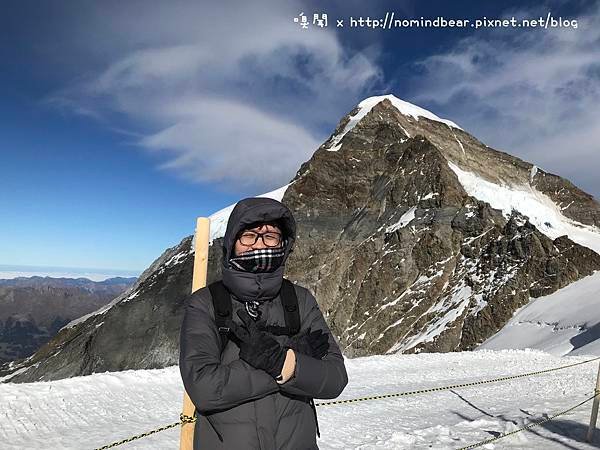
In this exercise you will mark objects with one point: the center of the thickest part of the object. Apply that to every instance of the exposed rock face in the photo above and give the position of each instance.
(400, 256)
(33, 309)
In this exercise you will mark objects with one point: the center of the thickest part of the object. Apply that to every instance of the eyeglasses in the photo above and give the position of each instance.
(269, 239)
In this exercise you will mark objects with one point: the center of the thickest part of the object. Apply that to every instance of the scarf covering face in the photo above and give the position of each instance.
(259, 260)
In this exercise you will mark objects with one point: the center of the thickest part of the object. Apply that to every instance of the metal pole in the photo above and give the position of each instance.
(594, 418)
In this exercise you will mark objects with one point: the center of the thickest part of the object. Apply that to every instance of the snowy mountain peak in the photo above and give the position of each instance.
(406, 108)
(365, 107)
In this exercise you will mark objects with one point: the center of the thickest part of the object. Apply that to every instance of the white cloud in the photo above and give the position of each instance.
(236, 97)
(247, 147)
(534, 93)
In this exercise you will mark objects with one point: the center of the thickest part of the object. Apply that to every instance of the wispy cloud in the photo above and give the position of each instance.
(246, 148)
(232, 97)
(534, 93)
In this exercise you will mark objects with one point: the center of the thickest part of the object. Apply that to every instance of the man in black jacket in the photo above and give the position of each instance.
(257, 393)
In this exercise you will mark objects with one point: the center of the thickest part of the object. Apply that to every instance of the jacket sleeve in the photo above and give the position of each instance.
(317, 378)
(213, 386)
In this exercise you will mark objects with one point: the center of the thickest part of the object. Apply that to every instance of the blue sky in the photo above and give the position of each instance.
(120, 122)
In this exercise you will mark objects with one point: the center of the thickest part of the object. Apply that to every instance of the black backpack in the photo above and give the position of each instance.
(223, 311)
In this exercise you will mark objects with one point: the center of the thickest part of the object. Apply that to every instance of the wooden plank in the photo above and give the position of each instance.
(186, 441)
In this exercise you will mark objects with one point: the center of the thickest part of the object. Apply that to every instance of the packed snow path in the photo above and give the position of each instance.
(92, 411)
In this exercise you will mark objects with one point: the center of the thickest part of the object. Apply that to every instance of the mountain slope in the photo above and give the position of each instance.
(566, 322)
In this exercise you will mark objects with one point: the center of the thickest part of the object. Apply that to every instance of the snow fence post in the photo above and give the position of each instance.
(590, 433)
(186, 440)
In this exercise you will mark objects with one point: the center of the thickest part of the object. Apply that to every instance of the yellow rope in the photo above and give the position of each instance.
(183, 417)
(531, 425)
(454, 386)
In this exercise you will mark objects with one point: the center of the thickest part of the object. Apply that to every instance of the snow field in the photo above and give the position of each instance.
(538, 207)
(92, 411)
(564, 322)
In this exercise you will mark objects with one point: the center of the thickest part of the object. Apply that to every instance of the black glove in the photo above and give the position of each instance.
(257, 347)
(315, 344)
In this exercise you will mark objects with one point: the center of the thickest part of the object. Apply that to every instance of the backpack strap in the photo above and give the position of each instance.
(291, 312)
(222, 306)
(223, 310)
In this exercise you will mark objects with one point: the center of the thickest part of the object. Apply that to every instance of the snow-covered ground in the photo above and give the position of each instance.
(92, 411)
(565, 322)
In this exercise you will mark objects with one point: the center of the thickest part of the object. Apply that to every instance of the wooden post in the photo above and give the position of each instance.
(186, 441)
(590, 434)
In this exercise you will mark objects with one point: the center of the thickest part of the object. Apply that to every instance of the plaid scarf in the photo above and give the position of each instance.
(259, 260)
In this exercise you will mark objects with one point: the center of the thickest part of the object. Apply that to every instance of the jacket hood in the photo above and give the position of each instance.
(246, 214)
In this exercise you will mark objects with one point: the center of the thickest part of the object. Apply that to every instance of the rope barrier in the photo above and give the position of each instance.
(183, 419)
(190, 419)
(454, 386)
(528, 427)
(139, 436)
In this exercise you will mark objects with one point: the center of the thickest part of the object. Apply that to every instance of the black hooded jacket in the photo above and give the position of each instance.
(246, 405)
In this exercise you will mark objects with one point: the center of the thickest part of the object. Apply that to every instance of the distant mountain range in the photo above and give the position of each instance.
(33, 309)
(10, 271)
